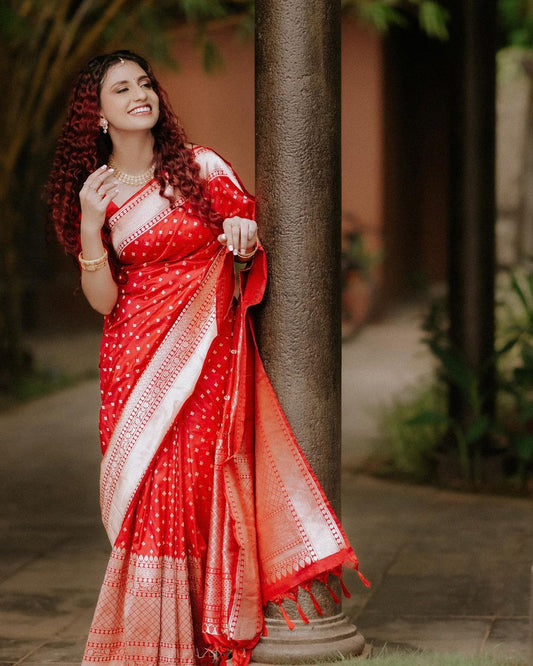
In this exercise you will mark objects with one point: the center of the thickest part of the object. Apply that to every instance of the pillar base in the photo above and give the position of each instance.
(325, 639)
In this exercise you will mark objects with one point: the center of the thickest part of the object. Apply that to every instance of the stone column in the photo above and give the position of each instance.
(298, 190)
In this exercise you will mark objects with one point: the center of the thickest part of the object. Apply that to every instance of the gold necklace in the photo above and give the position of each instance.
(126, 178)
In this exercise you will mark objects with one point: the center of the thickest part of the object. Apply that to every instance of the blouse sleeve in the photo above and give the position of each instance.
(229, 197)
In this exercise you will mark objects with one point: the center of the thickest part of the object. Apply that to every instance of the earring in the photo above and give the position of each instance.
(104, 125)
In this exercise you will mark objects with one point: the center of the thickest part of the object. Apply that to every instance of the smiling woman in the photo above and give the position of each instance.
(209, 505)
(127, 97)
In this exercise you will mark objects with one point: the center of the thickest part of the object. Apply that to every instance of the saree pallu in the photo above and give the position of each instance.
(210, 505)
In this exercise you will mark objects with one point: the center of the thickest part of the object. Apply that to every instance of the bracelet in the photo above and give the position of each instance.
(248, 255)
(92, 265)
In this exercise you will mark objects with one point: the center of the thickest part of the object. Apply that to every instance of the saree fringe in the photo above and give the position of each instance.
(212, 509)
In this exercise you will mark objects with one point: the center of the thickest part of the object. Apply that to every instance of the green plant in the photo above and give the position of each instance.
(517, 383)
(355, 257)
(511, 429)
(516, 20)
(432, 17)
(410, 451)
(358, 275)
(468, 434)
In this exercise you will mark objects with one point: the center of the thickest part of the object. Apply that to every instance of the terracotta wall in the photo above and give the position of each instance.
(362, 130)
(218, 110)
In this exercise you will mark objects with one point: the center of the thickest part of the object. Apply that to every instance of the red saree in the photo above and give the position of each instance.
(208, 502)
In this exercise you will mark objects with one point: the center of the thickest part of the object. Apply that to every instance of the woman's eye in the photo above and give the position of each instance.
(146, 85)
(121, 90)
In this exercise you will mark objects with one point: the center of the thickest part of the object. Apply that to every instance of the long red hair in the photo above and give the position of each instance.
(82, 147)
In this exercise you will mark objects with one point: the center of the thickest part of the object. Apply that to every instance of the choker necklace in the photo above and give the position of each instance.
(128, 179)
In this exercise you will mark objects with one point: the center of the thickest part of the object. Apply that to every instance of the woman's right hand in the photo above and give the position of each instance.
(98, 286)
(97, 191)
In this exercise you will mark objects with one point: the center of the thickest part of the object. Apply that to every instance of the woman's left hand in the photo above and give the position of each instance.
(240, 235)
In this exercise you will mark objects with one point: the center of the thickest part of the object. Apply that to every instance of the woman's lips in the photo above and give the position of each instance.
(140, 109)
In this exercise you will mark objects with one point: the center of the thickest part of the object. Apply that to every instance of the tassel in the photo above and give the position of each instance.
(301, 611)
(344, 589)
(355, 566)
(288, 620)
(333, 595)
(307, 588)
(293, 596)
(324, 578)
(363, 579)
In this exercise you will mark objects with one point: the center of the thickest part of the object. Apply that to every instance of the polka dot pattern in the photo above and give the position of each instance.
(161, 550)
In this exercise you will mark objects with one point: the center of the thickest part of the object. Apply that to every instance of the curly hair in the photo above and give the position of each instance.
(82, 147)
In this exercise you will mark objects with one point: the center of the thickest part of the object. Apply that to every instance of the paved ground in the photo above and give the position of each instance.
(450, 571)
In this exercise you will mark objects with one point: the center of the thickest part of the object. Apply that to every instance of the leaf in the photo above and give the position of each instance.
(526, 412)
(380, 15)
(523, 377)
(429, 419)
(13, 28)
(433, 19)
(524, 446)
(477, 429)
(518, 291)
(507, 346)
(212, 59)
(203, 10)
(526, 354)
(458, 372)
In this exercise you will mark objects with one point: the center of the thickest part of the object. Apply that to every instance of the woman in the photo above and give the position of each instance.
(196, 450)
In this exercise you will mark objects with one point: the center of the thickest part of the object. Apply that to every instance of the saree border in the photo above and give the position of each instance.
(139, 214)
(158, 396)
(212, 166)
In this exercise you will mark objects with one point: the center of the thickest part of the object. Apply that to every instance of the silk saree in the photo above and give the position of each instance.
(209, 504)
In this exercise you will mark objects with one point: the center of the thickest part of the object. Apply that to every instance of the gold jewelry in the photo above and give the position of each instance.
(138, 180)
(92, 265)
(247, 255)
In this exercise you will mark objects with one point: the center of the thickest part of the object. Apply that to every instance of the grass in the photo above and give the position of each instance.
(383, 657)
(38, 384)
(435, 659)
(407, 450)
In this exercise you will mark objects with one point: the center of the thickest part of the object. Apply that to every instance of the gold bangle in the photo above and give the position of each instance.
(248, 255)
(92, 265)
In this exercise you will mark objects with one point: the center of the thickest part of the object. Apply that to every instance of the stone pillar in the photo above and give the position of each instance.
(298, 192)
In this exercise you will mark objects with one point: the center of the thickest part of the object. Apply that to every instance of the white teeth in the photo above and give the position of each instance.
(140, 109)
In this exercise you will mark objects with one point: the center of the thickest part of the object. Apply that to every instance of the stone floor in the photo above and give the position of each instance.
(450, 572)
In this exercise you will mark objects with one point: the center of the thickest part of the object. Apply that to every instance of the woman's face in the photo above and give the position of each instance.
(127, 99)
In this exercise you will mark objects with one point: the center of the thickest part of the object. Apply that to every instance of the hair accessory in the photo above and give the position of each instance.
(92, 265)
(104, 124)
(138, 180)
